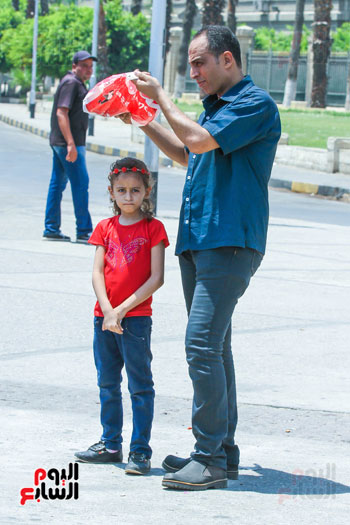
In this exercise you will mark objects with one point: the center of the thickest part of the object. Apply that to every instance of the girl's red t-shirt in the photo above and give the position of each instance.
(127, 261)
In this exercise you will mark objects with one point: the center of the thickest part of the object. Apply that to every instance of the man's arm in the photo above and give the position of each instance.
(165, 139)
(194, 136)
(167, 142)
(64, 125)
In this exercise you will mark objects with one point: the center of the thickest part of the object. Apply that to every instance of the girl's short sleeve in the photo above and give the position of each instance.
(157, 233)
(98, 235)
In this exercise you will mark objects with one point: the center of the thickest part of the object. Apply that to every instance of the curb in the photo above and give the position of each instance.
(311, 189)
(90, 146)
(26, 127)
(297, 187)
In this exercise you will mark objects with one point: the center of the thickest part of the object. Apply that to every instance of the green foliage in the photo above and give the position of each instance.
(341, 38)
(65, 30)
(280, 41)
(9, 18)
(62, 32)
(127, 38)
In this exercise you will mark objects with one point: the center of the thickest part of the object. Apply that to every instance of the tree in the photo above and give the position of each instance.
(136, 6)
(169, 8)
(30, 9)
(290, 87)
(44, 7)
(102, 49)
(341, 38)
(127, 38)
(190, 13)
(347, 99)
(321, 46)
(231, 15)
(65, 30)
(212, 12)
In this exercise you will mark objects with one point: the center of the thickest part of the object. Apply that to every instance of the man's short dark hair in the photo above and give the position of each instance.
(220, 39)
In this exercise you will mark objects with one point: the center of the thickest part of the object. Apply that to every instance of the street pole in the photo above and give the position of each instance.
(94, 53)
(155, 66)
(35, 42)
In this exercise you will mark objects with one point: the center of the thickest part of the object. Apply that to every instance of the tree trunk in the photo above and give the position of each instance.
(102, 54)
(321, 48)
(136, 6)
(169, 8)
(291, 83)
(44, 7)
(231, 15)
(15, 5)
(190, 13)
(30, 11)
(347, 100)
(212, 12)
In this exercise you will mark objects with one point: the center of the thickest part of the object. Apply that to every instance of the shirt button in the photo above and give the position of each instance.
(187, 221)
(194, 156)
(207, 118)
(187, 199)
(189, 177)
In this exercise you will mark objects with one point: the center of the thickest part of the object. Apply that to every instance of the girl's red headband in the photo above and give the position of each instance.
(124, 169)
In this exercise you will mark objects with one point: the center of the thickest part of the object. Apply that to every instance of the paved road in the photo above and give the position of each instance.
(291, 347)
(35, 158)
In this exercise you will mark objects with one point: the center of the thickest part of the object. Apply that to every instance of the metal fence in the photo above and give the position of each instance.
(269, 71)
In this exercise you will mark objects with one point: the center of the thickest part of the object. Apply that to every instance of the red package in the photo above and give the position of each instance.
(118, 94)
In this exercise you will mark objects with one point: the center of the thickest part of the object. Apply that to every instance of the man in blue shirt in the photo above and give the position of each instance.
(221, 238)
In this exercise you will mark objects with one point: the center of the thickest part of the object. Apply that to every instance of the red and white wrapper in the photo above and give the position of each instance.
(117, 94)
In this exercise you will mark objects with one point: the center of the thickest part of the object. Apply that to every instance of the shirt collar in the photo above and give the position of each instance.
(75, 76)
(231, 94)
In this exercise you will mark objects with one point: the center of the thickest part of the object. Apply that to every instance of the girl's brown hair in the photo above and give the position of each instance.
(127, 164)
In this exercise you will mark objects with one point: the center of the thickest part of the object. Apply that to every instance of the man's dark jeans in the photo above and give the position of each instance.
(213, 281)
(111, 352)
(76, 173)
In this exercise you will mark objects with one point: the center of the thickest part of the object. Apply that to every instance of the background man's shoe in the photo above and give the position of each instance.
(98, 453)
(56, 236)
(138, 464)
(195, 476)
(174, 464)
(83, 239)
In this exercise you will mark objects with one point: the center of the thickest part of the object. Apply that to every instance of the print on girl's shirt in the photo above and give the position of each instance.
(123, 254)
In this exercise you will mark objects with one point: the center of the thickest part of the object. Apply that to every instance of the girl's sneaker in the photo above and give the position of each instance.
(138, 464)
(98, 453)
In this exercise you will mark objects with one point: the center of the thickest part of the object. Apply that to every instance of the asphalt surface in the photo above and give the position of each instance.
(290, 342)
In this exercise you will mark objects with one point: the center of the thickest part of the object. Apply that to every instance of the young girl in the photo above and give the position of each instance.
(128, 268)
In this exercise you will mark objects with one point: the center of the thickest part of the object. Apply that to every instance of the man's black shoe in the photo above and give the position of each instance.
(98, 454)
(83, 239)
(174, 464)
(56, 236)
(195, 476)
(138, 464)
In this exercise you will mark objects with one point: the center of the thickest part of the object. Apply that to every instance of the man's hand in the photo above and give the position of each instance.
(148, 85)
(112, 321)
(72, 153)
(125, 117)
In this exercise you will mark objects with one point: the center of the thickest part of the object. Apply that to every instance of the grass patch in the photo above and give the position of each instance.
(310, 128)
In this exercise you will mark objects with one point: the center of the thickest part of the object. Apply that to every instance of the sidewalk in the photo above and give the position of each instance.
(112, 137)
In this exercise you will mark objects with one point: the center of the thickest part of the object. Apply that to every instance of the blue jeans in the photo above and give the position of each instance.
(213, 281)
(111, 352)
(76, 173)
